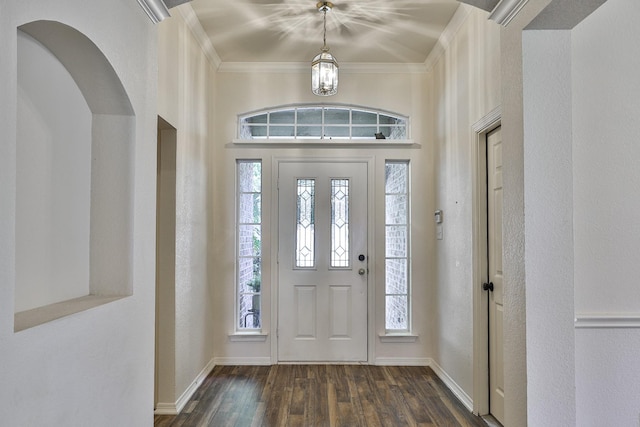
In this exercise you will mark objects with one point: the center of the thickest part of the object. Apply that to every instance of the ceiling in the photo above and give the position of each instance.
(358, 31)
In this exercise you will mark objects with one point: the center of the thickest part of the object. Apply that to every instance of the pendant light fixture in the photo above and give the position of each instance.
(324, 67)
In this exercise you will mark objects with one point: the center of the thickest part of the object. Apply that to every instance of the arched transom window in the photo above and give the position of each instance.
(322, 122)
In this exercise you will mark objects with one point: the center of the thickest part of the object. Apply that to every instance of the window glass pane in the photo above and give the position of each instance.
(249, 311)
(284, 117)
(339, 223)
(310, 116)
(396, 178)
(396, 241)
(305, 223)
(249, 240)
(364, 132)
(396, 276)
(281, 131)
(249, 208)
(309, 131)
(250, 275)
(363, 117)
(388, 120)
(393, 132)
(260, 118)
(397, 312)
(336, 132)
(257, 131)
(396, 208)
(336, 116)
(398, 132)
(249, 177)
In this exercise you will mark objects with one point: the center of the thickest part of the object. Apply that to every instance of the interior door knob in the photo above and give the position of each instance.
(487, 286)
(362, 271)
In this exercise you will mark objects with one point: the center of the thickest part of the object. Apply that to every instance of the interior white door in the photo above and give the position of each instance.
(494, 233)
(322, 262)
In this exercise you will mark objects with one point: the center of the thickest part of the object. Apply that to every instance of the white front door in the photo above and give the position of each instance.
(494, 232)
(322, 262)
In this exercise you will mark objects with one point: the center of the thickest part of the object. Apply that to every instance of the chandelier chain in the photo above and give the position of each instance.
(324, 37)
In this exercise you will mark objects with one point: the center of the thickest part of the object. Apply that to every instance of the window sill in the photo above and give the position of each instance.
(248, 337)
(398, 338)
(338, 142)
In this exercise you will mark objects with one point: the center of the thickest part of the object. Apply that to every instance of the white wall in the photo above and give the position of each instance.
(515, 309)
(94, 367)
(605, 86)
(548, 225)
(463, 87)
(53, 169)
(185, 93)
(578, 98)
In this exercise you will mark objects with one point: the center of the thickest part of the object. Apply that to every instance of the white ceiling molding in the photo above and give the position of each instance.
(198, 32)
(156, 10)
(173, 3)
(303, 67)
(506, 10)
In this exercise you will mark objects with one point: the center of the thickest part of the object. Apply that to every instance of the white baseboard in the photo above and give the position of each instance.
(453, 386)
(251, 361)
(176, 408)
(165, 409)
(402, 361)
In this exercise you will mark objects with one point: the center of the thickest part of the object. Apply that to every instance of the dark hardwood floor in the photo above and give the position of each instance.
(321, 395)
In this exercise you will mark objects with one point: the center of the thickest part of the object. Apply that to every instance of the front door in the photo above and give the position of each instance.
(322, 262)
(494, 233)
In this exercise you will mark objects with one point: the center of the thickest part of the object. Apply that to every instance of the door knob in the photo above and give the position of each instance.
(487, 286)
(362, 271)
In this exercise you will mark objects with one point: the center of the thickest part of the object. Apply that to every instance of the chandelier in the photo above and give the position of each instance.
(324, 67)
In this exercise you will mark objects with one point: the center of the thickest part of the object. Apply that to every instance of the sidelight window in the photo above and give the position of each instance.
(249, 243)
(397, 257)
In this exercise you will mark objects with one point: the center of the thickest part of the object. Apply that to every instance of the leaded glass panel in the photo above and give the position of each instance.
(339, 223)
(305, 223)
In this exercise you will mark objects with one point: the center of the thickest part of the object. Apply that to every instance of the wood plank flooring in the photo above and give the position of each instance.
(321, 395)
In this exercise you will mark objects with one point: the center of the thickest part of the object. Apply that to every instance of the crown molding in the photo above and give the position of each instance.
(506, 10)
(156, 10)
(447, 35)
(304, 67)
(192, 21)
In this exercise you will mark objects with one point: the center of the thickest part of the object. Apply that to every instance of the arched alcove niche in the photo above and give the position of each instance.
(74, 184)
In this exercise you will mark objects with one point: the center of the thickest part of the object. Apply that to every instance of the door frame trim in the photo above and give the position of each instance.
(371, 279)
(480, 259)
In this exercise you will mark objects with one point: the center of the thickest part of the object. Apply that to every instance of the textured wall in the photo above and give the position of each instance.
(185, 93)
(605, 85)
(464, 87)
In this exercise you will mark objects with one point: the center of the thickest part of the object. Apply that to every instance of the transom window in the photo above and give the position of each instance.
(322, 122)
